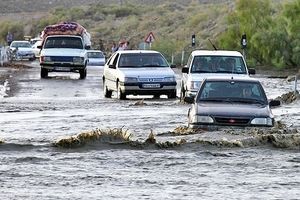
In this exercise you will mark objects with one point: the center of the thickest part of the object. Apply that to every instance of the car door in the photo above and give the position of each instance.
(111, 73)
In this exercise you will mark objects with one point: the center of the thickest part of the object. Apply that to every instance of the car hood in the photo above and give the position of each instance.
(201, 76)
(233, 110)
(63, 52)
(155, 72)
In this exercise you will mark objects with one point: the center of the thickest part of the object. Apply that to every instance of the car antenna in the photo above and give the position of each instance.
(212, 44)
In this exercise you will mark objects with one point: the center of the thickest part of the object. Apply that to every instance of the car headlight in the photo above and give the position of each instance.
(262, 121)
(169, 79)
(202, 119)
(130, 79)
(194, 85)
(78, 59)
(45, 59)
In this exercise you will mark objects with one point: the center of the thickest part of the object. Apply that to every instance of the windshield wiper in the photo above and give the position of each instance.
(201, 71)
(154, 66)
(250, 101)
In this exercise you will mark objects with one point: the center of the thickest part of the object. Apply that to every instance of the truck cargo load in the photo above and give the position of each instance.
(67, 28)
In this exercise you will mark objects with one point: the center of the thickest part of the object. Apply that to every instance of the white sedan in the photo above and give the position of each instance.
(138, 72)
(23, 50)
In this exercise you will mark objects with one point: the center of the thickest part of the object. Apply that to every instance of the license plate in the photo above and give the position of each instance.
(151, 85)
(62, 69)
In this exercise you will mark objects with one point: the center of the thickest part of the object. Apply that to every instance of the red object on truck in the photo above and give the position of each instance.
(63, 28)
(67, 28)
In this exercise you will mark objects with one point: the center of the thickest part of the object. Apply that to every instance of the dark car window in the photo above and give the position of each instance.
(218, 64)
(63, 42)
(241, 91)
(142, 60)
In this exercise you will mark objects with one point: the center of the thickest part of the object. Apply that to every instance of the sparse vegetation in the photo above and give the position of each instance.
(272, 40)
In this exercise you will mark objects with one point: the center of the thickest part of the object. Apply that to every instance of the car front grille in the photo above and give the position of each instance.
(61, 58)
(151, 79)
(232, 121)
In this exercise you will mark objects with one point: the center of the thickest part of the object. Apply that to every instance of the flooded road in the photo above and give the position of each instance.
(37, 114)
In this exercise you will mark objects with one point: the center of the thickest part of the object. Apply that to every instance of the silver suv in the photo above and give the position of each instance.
(138, 72)
(204, 63)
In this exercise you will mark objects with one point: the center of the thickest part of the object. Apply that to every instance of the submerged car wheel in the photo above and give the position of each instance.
(172, 95)
(120, 94)
(182, 94)
(82, 73)
(44, 73)
(107, 93)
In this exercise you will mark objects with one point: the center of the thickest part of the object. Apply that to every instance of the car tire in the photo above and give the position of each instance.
(182, 94)
(172, 95)
(82, 73)
(120, 94)
(156, 96)
(44, 73)
(107, 93)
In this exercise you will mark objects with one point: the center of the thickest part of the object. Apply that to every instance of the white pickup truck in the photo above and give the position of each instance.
(63, 53)
(64, 49)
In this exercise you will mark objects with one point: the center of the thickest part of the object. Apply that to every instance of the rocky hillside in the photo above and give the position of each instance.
(20, 6)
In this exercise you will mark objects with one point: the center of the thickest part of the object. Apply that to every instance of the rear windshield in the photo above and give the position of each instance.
(142, 60)
(218, 64)
(95, 55)
(63, 42)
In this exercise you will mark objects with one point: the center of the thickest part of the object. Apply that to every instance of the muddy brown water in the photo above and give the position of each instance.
(173, 164)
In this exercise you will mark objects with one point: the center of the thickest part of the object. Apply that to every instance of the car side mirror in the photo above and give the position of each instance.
(39, 47)
(251, 71)
(274, 103)
(87, 47)
(112, 66)
(189, 99)
(185, 70)
(173, 66)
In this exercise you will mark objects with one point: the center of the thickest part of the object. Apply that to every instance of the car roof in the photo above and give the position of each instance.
(215, 53)
(136, 51)
(226, 78)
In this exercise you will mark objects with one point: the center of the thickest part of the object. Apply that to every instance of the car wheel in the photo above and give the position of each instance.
(182, 94)
(156, 96)
(107, 93)
(82, 73)
(44, 73)
(172, 95)
(120, 94)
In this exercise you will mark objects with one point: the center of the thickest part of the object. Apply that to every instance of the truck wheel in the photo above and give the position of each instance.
(120, 94)
(172, 95)
(107, 93)
(82, 73)
(44, 73)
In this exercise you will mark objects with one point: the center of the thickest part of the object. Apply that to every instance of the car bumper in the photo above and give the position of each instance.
(212, 127)
(148, 88)
(62, 67)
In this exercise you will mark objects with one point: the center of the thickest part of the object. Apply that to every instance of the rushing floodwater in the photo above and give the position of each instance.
(227, 164)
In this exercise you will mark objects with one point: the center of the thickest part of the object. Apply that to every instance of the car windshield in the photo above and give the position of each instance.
(21, 44)
(232, 91)
(218, 64)
(142, 60)
(63, 42)
(95, 55)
